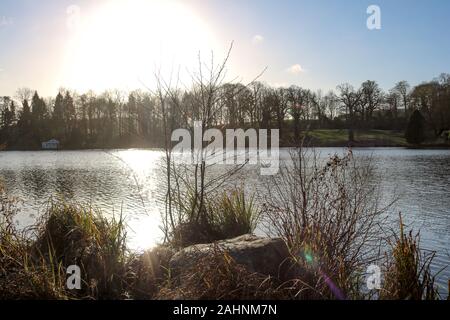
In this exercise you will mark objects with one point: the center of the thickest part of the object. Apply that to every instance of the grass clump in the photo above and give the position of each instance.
(408, 273)
(227, 215)
(23, 275)
(72, 235)
(34, 261)
(233, 214)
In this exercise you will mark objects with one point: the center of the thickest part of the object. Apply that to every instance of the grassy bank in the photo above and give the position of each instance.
(34, 262)
(366, 138)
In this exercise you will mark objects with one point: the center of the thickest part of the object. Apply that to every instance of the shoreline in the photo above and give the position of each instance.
(326, 138)
(355, 144)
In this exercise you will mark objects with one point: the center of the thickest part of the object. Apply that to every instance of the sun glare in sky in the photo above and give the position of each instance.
(120, 44)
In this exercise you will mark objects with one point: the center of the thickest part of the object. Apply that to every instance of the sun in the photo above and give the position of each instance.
(120, 44)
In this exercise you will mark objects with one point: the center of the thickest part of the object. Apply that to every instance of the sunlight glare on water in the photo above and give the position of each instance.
(132, 182)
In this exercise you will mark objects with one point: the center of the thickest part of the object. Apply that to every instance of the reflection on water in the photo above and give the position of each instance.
(115, 181)
(130, 181)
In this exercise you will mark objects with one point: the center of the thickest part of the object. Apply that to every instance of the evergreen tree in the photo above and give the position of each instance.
(58, 116)
(38, 108)
(69, 114)
(24, 121)
(38, 116)
(58, 109)
(415, 132)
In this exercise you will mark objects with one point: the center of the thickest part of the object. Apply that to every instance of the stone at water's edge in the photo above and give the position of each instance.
(263, 255)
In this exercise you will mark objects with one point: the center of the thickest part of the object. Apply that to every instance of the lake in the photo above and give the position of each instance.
(129, 181)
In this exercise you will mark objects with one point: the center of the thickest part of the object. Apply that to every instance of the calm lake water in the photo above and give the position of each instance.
(129, 181)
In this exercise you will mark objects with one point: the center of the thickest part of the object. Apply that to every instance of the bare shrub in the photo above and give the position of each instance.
(328, 214)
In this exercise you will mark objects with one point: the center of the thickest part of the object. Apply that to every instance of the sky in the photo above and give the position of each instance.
(101, 44)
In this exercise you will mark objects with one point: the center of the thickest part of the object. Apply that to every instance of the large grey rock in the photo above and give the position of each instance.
(257, 254)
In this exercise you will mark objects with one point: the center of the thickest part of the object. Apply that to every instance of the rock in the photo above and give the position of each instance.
(257, 254)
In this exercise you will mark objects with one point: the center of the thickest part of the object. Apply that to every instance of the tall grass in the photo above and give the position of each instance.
(34, 261)
(21, 274)
(225, 215)
(73, 235)
(408, 269)
(234, 214)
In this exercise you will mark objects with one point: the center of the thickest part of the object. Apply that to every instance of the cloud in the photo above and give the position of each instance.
(295, 69)
(5, 21)
(257, 39)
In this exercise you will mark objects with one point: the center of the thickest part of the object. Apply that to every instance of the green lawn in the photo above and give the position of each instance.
(369, 137)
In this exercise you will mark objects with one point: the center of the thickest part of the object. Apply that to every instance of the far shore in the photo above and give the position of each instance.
(334, 138)
(354, 144)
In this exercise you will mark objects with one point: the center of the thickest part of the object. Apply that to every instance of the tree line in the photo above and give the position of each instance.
(139, 118)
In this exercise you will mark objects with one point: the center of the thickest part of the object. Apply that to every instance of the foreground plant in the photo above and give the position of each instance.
(323, 263)
(328, 214)
(408, 273)
(225, 215)
(73, 235)
(34, 261)
(218, 276)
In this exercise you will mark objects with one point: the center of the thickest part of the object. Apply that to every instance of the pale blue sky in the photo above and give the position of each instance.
(329, 40)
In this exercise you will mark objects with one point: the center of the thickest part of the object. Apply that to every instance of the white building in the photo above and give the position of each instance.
(52, 144)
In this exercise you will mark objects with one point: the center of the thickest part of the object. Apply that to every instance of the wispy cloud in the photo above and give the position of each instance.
(257, 39)
(5, 21)
(295, 69)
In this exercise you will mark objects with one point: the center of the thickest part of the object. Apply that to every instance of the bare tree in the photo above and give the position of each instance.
(320, 105)
(372, 98)
(403, 89)
(24, 94)
(331, 104)
(189, 186)
(281, 108)
(257, 89)
(393, 102)
(350, 99)
(297, 99)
